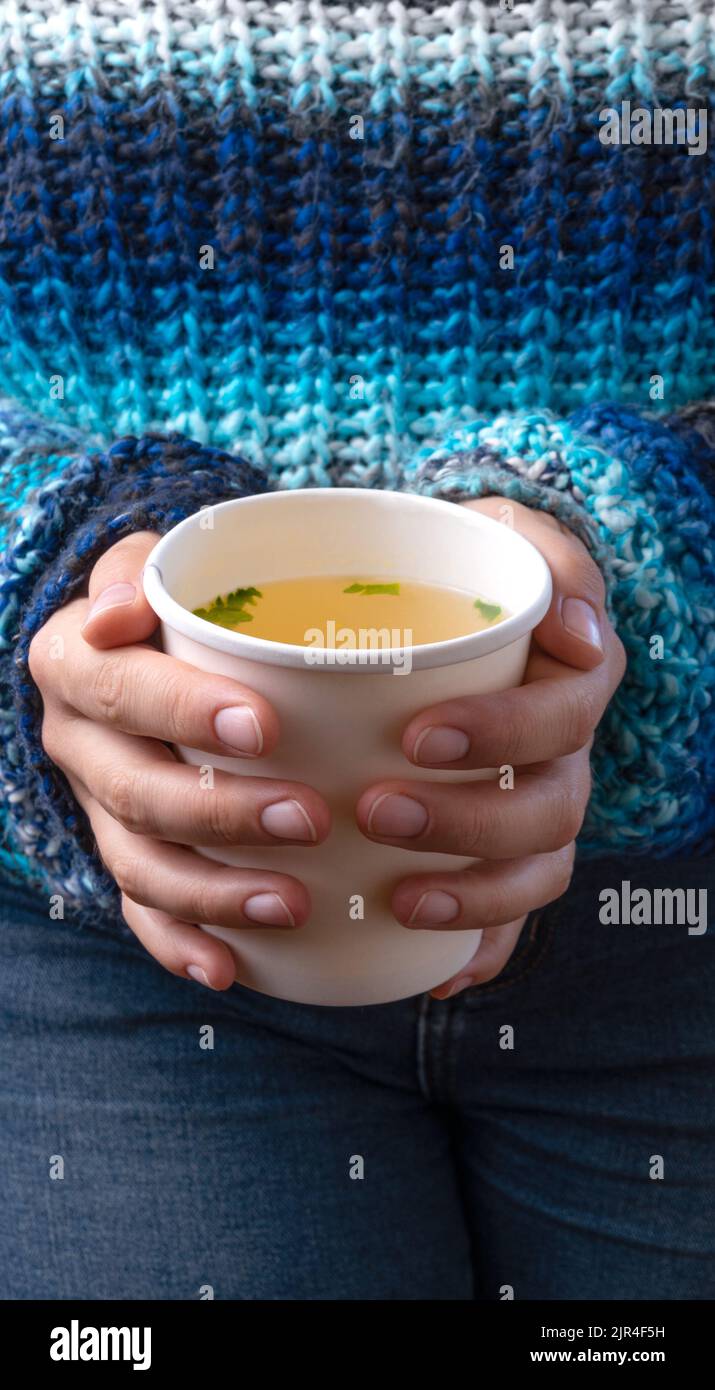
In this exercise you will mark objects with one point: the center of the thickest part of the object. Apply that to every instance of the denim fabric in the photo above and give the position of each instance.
(187, 1167)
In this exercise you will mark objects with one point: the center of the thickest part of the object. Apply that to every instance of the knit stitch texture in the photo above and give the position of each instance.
(355, 307)
(249, 245)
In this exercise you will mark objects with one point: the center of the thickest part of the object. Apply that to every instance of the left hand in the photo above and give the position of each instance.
(543, 729)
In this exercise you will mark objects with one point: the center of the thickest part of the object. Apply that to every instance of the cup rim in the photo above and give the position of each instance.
(451, 651)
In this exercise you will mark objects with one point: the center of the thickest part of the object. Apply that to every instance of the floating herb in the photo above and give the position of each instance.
(231, 610)
(487, 610)
(372, 589)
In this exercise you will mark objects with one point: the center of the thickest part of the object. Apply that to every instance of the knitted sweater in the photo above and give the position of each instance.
(248, 245)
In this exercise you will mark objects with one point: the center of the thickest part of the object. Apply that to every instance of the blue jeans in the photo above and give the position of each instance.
(485, 1167)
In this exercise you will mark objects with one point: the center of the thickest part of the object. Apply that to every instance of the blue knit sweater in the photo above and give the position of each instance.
(376, 245)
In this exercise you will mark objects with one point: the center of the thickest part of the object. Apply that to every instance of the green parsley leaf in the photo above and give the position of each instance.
(230, 611)
(372, 589)
(490, 611)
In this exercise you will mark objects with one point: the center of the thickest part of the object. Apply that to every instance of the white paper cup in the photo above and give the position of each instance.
(341, 725)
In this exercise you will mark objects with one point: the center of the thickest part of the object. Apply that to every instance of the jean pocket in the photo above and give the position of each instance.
(531, 951)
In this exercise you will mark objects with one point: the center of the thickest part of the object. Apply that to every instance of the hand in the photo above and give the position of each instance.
(543, 730)
(145, 807)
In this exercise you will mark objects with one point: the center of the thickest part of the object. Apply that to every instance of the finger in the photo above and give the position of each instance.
(554, 712)
(488, 895)
(573, 628)
(181, 949)
(488, 961)
(141, 785)
(118, 612)
(143, 691)
(542, 811)
(183, 884)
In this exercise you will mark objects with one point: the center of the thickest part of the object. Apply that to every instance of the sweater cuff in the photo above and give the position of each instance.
(92, 501)
(530, 458)
(638, 490)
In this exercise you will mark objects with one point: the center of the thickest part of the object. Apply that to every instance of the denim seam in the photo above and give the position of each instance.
(422, 1048)
(456, 1033)
(444, 1016)
(433, 1049)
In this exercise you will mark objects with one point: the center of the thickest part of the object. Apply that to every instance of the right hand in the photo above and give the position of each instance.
(104, 683)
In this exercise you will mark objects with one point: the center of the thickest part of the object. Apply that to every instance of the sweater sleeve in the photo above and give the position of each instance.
(640, 493)
(66, 501)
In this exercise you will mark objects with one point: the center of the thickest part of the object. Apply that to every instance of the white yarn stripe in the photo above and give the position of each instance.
(324, 51)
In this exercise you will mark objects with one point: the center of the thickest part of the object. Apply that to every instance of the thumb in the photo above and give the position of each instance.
(576, 625)
(118, 611)
(573, 628)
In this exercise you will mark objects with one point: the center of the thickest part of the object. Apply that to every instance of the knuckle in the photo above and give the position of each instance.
(520, 740)
(178, 702)
(584, 781)
(563, 871)
(498, 905)
(123, 798)
(200, 901)
(566, 817)
(108, 689)
(579, 720)
(129, 874)
(219, 818)
(473, 826)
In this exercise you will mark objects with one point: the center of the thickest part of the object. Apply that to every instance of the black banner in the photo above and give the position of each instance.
(189, 1338)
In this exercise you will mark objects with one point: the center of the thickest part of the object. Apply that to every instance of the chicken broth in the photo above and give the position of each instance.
(295, 610)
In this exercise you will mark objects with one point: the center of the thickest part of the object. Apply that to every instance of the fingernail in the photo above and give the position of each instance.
(395, 814)
(199, 975)
(580, 619)
(114, 596)
(462, 983)
(238, 728)
(288, 820)
(457, 987)
(268, 908)
(432, 907)
(438, 744)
